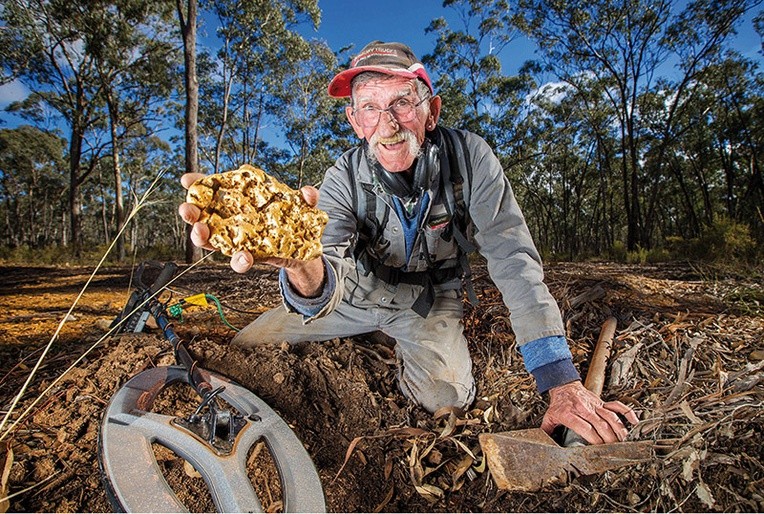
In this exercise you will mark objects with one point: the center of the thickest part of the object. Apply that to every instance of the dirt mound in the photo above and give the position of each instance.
(688, 356)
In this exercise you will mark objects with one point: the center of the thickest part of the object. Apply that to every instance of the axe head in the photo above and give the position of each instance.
(529, 460)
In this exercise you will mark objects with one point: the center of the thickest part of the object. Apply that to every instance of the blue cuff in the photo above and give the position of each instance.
(555, 374)
(307, 306)
(550, 362)
(546, 350)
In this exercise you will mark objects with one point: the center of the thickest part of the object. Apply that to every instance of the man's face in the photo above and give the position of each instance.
(395, 144)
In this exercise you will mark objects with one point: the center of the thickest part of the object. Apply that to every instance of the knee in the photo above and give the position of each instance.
(253, 335)
(441, 394)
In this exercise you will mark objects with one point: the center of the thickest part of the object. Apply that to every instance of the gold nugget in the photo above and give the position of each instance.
(246, 209)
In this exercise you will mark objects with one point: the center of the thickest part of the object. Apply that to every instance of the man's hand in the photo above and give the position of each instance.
(306, 277)
(577, 408)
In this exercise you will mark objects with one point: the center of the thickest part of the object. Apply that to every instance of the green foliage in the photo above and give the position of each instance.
(599, 144)
(724, 242)
(53, 255)
(161, 251)
(619, 253)
(747, 300)
(47, 255)
(477, 94)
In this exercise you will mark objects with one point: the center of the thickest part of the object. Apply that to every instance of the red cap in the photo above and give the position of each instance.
(389, 58)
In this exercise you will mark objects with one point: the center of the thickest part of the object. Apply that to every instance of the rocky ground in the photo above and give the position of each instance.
(688, 355)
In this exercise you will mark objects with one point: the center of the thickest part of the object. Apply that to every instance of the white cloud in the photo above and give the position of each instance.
(553, 92)
(12, 92)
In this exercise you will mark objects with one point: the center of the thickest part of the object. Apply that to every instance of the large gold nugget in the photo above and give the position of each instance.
(246, 209)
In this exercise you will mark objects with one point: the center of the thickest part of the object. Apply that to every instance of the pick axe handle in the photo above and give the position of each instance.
(595, 377)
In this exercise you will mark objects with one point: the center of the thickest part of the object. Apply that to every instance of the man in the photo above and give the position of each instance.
(395, 244)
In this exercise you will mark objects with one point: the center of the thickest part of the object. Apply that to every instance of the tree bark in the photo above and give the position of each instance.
(119, 207)
(187, 19)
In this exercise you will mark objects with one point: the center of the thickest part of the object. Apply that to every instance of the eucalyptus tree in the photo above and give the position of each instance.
(134, 58)
(43, 44)
(715, 154)
(565, 196)
(623, 46)
(259, 44)
(303, 109)
(738, 113)
(31, 186)
(187, 20)
(477, 94)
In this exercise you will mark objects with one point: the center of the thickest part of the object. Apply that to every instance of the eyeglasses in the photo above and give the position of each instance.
(403, 110)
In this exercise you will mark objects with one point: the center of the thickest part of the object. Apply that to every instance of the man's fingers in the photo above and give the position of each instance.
(585, 430)
(189, 213)
(189, 178)
(310, 194)
(548, 425)
(623, 410)
(200, 235)
(609, 426)
(241, 261)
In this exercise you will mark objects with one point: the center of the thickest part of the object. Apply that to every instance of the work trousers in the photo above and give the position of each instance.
(434, 365)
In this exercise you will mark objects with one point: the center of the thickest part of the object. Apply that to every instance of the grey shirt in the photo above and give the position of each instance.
(501, 236)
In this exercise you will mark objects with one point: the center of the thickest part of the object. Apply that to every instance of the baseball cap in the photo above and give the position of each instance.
(389, 58)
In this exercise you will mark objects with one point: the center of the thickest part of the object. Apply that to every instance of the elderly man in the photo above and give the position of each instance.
(405, 206)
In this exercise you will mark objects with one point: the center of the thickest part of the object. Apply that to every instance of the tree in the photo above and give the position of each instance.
(304, 111)
(618, 48)
(187, 18)
(133, 61)
(30, 187)
(43, 44)
(259, 49)
(476, 94)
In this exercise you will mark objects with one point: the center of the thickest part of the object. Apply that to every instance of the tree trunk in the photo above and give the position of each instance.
(75, 208)
(224, 120)
(119, 207)
(187, 19)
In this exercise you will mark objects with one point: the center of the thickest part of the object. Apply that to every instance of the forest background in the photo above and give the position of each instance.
(636, 133)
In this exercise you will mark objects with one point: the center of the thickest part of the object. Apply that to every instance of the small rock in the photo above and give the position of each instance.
(103, 324)
(279, 378)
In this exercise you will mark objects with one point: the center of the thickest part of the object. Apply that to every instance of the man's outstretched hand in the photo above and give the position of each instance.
(306, 277)
(582, 411)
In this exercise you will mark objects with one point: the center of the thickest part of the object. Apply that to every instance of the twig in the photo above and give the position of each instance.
(33, 486)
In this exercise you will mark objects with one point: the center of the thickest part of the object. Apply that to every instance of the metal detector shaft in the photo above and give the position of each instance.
(181, 352)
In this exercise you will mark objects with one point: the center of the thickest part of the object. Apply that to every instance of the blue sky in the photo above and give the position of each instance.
(357, 22)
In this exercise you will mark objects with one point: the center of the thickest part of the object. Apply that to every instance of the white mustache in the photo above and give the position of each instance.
(401, 135)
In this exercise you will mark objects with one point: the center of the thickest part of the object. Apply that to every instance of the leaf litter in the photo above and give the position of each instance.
(686, 359)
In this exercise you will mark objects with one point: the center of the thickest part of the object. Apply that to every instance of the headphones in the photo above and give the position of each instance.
(398, 183)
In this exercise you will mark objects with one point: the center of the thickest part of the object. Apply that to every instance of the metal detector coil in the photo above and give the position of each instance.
(135, 482)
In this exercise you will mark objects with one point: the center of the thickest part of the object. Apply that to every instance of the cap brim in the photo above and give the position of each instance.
(340, 86)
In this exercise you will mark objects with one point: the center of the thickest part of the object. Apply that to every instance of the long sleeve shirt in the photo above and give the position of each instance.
(501, 236)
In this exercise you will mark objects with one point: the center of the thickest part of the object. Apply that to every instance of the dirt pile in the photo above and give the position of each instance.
(688, 356)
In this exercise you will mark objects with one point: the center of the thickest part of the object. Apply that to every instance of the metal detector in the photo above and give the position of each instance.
(215, 438)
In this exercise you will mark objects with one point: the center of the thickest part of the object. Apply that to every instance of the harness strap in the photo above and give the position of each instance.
(455, 198)
(453, 159)
(395, 276)
(428, 279)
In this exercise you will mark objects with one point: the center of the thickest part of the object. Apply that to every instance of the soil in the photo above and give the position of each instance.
(688, 356)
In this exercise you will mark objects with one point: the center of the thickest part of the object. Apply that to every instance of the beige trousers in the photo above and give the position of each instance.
(434, 365)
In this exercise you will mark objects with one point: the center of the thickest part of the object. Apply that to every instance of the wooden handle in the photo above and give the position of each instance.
(595, 378)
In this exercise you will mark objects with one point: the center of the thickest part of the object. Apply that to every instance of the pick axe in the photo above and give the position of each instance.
(529, 460)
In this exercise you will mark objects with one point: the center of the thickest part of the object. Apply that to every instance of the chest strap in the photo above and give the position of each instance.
(428, 279)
